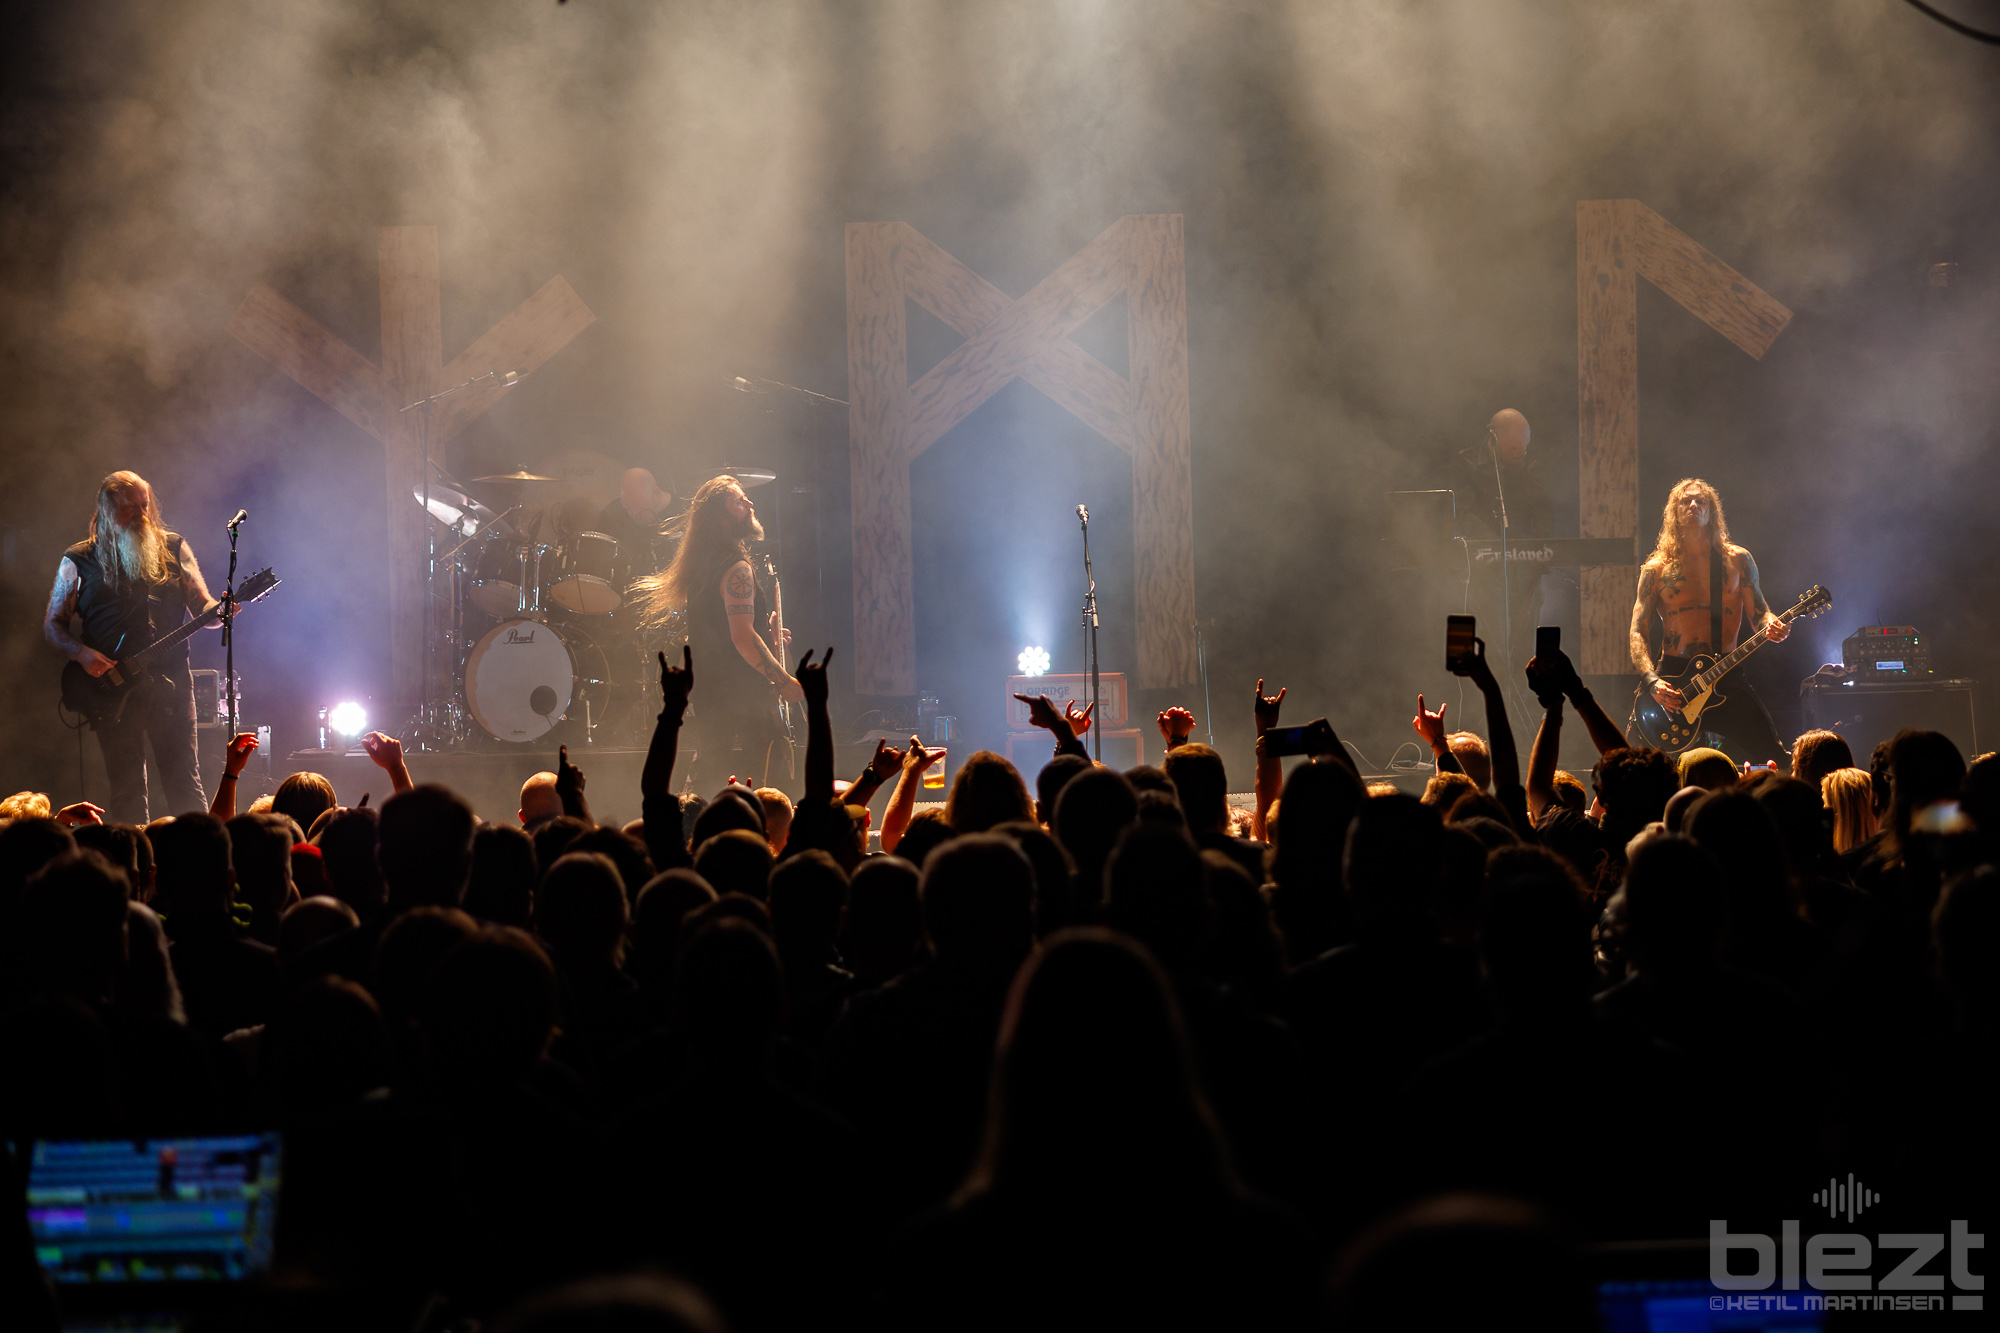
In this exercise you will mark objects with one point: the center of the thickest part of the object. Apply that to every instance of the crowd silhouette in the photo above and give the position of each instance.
(1106, 1052)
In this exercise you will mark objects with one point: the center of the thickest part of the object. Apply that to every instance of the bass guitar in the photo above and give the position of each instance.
(1677, 729)
(102, 699)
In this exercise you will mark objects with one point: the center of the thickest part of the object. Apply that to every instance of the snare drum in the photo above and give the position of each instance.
(525, 676)
(587, 575)
(507, 577)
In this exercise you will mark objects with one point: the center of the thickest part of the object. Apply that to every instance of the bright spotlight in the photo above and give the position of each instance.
(347, 719)
(1033, 661)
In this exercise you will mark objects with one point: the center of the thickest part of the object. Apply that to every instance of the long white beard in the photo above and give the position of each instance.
(139, 554)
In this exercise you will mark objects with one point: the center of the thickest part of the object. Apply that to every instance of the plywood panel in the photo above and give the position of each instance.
(892, 421)
(412, 367)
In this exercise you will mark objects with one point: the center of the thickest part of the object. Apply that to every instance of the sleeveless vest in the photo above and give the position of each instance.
(120, 624)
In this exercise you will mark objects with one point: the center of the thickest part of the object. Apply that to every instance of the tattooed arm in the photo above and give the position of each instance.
(739, 602)
(1642, 657)
(55, 625)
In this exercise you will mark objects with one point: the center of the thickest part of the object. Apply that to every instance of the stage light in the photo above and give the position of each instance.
(346, 719)
(1033, 661)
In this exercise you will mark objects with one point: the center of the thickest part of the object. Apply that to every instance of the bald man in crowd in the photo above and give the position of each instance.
(539, 801)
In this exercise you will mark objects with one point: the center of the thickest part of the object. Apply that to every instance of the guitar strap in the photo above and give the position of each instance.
(1717, 557)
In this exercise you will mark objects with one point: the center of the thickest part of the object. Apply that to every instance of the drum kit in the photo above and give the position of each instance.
(536, 626)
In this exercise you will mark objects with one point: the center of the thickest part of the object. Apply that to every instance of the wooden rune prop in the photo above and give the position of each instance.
(892, 421)
(412, 367)
(1619, 241)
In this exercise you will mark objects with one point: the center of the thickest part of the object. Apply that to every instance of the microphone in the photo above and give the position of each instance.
(1083, 512)
(242, 516)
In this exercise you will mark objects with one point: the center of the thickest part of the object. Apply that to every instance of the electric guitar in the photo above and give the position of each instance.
(1676, 729)
(102, 699)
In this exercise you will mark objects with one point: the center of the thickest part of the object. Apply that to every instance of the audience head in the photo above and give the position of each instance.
(407, 954)
(629, 1303)
(192, 867)
(424, 846)
(1203, 785)
(1534, 945)
(1094, 1091)
(1849, 795)
(307, 922)
(735, 860)
(808, 894)
(501, 886)
(777, 817)
(1818, 753)
(1320, 801)
(73, 911)
(978, 902)
(580, 909)
(1244, 947)
(1924, 766)
(1394, 861)
(728, 990)
(635, 866)
(1673, 905)
(539, 801)
(1635, 786)
(1878, 776)
(1052, 868)
(733, 807)
(657, 920)
(147, 986)
(1499, 1253)
(925, 833)
(1443, 790)
(884, 926)
(329, 1045)
(489, 1010)
(554, 836)
(987, 791)
(260, 850)
(1678, 805)
(1156, 891)
(1751, 863)
(26, 805)
(1161, 807)
(1146, 777)
(1055, 775)
(1473, 757)
(1092, 813)
(1707, 768)
(1571, 792)
(347, 845)
(1801, 818)
(304, 797)
(124, 846)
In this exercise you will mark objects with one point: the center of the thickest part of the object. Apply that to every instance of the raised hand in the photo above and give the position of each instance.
(916, 759)
(1430, 725)
(885, 762)
(1176, 725)
(812, 679)
(94, 662)
(677, 683)
(236, 755)
(82, 812)
(1267, 709)
(1473, 664)
(1078, 722)
(1550, 680)
(384, 749)
(1042, 713)
(569, 778)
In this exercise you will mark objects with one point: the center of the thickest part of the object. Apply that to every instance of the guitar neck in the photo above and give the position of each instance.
(172, 640)
(1723, 666)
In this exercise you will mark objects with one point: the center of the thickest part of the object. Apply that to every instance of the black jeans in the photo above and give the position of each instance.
(737, 732)
(160, 711)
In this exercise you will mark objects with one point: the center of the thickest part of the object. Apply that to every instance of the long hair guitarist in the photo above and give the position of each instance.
(128, 583)
(1702, 594)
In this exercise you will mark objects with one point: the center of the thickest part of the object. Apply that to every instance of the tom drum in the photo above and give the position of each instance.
(587, 570)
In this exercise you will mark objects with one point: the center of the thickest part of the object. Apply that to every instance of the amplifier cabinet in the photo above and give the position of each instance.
(1866, 713)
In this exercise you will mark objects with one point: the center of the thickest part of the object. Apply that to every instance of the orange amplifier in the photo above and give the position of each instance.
(1062, 690)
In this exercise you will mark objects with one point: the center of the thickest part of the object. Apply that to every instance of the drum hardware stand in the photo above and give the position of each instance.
(1090, 631)
(437, 726)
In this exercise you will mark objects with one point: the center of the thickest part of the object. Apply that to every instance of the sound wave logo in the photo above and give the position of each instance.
(1850, 1197)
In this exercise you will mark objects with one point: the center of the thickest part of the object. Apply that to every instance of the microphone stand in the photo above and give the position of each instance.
(1090, 635)
(229, 637)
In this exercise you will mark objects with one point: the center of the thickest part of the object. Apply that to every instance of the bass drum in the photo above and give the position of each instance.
(525, 676)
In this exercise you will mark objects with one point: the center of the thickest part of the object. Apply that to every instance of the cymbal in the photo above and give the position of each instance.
(520, 475)
(749, 475)
(451, 506)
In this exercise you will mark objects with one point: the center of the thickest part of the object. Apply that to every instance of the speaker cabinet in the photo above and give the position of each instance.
(1866, 714)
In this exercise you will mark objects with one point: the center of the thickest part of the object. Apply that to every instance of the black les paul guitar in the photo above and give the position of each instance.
(1676, 729)
(101, 699)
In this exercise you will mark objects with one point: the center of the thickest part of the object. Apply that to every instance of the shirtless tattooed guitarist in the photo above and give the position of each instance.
(1674, 594)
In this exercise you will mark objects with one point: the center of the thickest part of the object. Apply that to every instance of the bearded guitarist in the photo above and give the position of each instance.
(130, 582)
(1702, 593)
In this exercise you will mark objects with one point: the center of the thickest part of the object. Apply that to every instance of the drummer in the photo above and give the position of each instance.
(633, 519)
